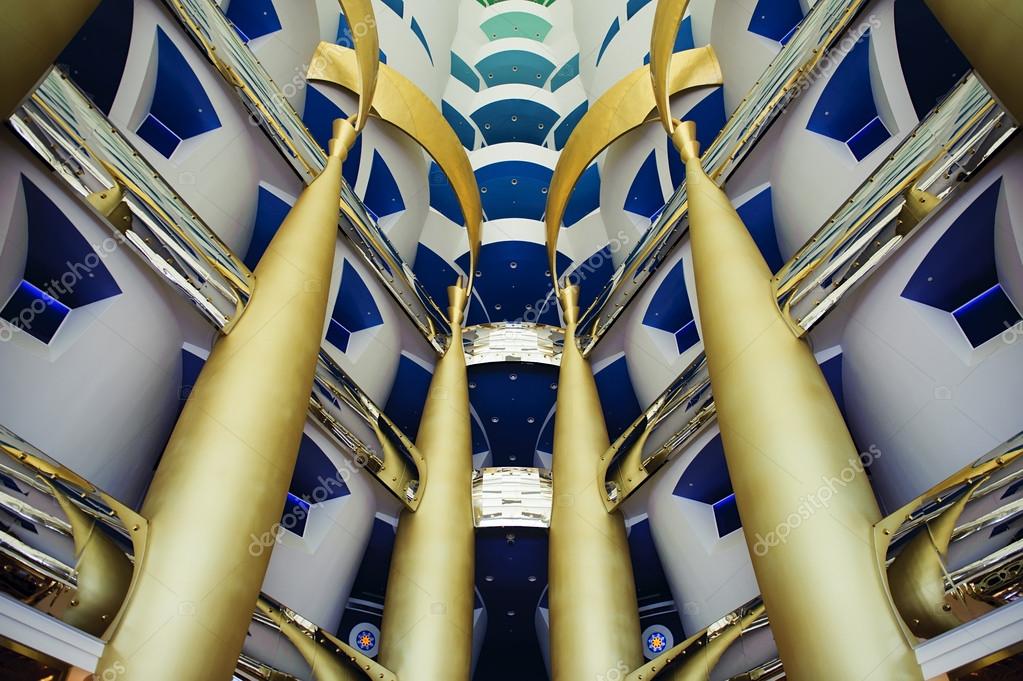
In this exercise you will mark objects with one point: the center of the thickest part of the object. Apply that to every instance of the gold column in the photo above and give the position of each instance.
(427, 627)
(806, 505)
(32, 34)
(989, 34)
(594, 613)
(222, 482)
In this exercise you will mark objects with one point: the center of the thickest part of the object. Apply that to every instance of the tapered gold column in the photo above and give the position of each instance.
(427, 627)
(222, 482)
(32, 34)
(594, 613)
(806, 505)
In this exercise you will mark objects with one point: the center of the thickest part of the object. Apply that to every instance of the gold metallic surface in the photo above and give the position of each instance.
(363, 26)
(593, 609)
(32, 34)
(699, 662)
(344, 663)
(226, 469)
(786, 445)
(989, 32)
(104, 571)
(662, 44)
(916, 577)
(401, 103)
(623, 108)
(426, 633)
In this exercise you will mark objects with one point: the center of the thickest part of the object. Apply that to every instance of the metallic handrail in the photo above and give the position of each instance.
(941, 155)
(210, 29)
(784, 79)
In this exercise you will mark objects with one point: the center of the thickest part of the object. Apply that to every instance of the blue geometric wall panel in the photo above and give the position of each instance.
(612, 31)
(645, 197)
(464, 72)
(95, 58)
(671, 311)
(418, 31)
(354, 309)
(316, 479)
(567, 125)
(758, 215)
(776, 19)
(512, 401)
(931, 62)
(709, 116)
(462, 127)
(408, 394)
(319, 116)
(383, 197)
(514, 120)
(270, 213)
(513, 282)
(617, 397)
(180, 109)
(565, 74)
(515, 66)
(253, 18)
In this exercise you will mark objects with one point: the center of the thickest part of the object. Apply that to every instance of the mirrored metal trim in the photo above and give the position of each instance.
(209, 28)
(766, 101)
(99, 165)
(513, 342)
(512, 497)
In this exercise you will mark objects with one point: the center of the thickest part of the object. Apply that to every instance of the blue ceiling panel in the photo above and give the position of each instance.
(633, 6)
(758, 215)
(513, 280)
(34, 312)
(585, 197)
(617, 397)
(565, 74)
(706, 479)
(511, 573)
(514, 189)
(270, 213)
(612, 31)
(295, 514)
(931, 62)
(383, 196)
(512, 401)
(726, 515)
(253, 18)
(567, 125)
(319, 116)
(776, 19)
(645, 197)
(442, 196)
(709, 116)
(651, 583)
(408, 395)
(464, 72)
(191, 367)
(515, 120)
(418, 31)
(95, 58)
(462, 127)
(671, 311)
(180, 107)
(316, 479)
(434, 273)
(397, 6)
(987, 315)
(684, 40)
(354, 309)
(371, 581)
(515, 66)
(832, 370)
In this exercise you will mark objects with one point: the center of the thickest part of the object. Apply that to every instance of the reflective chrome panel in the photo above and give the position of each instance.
(233, 59)
(512, 497)
(96, 162)
(942, 154)
(784, 79)
(513, 342)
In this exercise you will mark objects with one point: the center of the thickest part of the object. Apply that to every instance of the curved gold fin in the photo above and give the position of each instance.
(426, 633)
(916, 577)
(104, 572)
(620, 110)
(363, 26)
(402, 104)
(662, 44)
(700, 663)
(325, 665)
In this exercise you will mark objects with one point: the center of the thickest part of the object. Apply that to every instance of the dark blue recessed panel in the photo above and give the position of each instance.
(565, 74)
(418, 31)
(191, 366)
(685, 40)
(515, 66)
(408, 395)
(645, 197)
(383, 197)
(617, 397)
(591, 275)
(585, 197)
(671, 311)
(709, 116)
(945, 278)
(371, 581)
(95, 58)
(567, 125)
(847, 109)
(726, 515)
(316, 479)
(253, 18)
(514, 189)
(516, 565)
(513, 280)
(270, 213)
(706, 479)
(832, 370)
(60, 261)
(633, 6)
(34, 312)
(319, 116)
(514, 120)
(758, 215)
(464, 72)
(776, 19)
(612, 31)
(295, 515)
(462, 127)
(986, 316)
(931, 62)
(180, 104)
(354, 308)
(512, 401)
(651, 584)
(434, 273)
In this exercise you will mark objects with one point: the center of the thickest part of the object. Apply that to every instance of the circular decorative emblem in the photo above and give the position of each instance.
(656, 640)
(364, 638)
